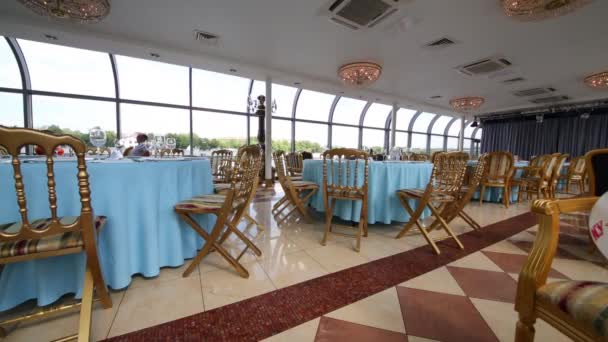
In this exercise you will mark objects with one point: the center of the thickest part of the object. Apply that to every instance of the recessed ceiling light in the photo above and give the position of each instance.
(50, 37)
(232, 70)
(296, 83)
(341, 92)
(436, 97)
(155, 55)
(377, 99)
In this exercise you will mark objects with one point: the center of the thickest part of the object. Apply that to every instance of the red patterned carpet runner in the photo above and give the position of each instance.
(260, 317)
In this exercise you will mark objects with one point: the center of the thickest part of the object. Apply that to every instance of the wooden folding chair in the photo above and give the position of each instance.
(500, 174)
(297, 192)
(294, 164)
(442, 189)
(541, 183)
(54, 236)
(454, 209)
(576, 174)
(343, 182)
(244, 182)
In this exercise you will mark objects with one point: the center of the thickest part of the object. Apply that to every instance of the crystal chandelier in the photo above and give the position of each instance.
(360, 74)
(529, 10)
(466, 104)
(84, 11)
(599, 80)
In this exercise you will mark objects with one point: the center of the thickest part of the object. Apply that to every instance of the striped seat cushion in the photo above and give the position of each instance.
(419, 193)
(48, 243)
(349, 193)
(212, 202)
(302, 183)
(584, 301)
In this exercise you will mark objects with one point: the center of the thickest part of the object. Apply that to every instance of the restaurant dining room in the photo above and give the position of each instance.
(321, 170)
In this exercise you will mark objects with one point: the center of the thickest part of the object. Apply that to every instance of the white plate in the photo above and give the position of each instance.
(598, 224)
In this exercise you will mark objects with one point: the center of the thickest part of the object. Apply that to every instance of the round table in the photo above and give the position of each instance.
(142, 233)
(385, 178)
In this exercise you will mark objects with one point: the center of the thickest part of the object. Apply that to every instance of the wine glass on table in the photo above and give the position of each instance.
(97, 137)
(159, 142)
(171, 144)
(408, 152)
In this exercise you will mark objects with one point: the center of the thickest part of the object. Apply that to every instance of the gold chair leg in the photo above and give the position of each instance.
(328, 216)
(468, 219)
(300, 205)
(411, 222)
(445, 225)
(481, 193)
(210, 242)
(524, 331)
(253, 221)
(86, 307)
(507, 196)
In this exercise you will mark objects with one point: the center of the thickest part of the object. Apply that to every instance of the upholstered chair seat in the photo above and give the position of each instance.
(49, 243)
(302, 183)
(584, 301)
(205, 203)
(419, 193)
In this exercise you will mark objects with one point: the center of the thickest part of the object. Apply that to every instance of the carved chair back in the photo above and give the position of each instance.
(341, 171)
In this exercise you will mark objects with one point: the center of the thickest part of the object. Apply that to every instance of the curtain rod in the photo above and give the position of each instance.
(591, 105)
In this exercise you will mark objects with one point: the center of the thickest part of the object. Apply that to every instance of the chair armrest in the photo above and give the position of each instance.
(536, 269)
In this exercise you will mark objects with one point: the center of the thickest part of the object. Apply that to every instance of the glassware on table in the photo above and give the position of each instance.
(171, 144)
(97, 137)
(159, 144)
(408, 152)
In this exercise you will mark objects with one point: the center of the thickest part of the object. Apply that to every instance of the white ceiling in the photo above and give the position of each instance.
(288, 41)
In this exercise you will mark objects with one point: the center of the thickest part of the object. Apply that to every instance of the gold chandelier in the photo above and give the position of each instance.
(529, 10)
(466, 104)
(84, 11)
(360, 74)
(599, 80)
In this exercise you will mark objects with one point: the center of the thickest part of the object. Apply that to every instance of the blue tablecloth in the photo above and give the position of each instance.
(384, 179)
(142, 233)
(495, 194)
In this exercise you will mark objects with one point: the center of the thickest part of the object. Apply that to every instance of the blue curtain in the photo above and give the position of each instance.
(562, 132)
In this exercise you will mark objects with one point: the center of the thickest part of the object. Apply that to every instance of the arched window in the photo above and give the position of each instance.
(219, 91)
(68, 70)
(218, 131)
(154, 120)
(12, 110)
(454, 130)
(9, 70)
(281, 135)
(314, 106)
(311, 137)
(348, 111)
(374, 139)
(404, 117)
(344, 136)
(422, 122)
(376, 115)
(440, 124)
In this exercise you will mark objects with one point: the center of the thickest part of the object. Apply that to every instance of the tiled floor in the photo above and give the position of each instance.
(470, 299)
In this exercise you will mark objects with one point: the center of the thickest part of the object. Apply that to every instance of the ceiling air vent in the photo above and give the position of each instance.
(359, 14)
(550, 99)
(441, 42)
(514, 80)
(485, 66)
(534, 91)
(206, 37)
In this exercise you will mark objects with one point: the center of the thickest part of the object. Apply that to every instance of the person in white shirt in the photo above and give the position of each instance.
(141, 150)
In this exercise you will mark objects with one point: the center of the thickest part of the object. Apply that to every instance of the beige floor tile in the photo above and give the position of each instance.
(505, 247)
(580, 270)
(439, 280)
(305, 332)
(292, 268)
(150, 305)
(374, 248)
(337, 257)
(419, 339)
(53, 328)
(476, 261)
(223, 287)
(502, 318)
(515, 276)
(275, 247)
(166, 274)
(214, 261)
(381, 310)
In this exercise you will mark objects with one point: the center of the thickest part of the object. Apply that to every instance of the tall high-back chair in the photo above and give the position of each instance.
(297, 192)
(54, 236)
(442, 190)
(345, 177)
(500, 171)
(557, 171)
(219, 159)
(577, 308)
(540, 185)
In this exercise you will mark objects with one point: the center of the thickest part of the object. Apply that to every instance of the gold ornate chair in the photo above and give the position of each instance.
(297, 192)
(127, 151)
(456, 208)
(540, 185)
(294, 164)
(244, 182)
(221, 161)
(442, 189)
(54, 236)
(532, 170)
(576, 174)
(500, 172)
(419, 157)
(576, 308)
(557, 171)
(342, 181)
